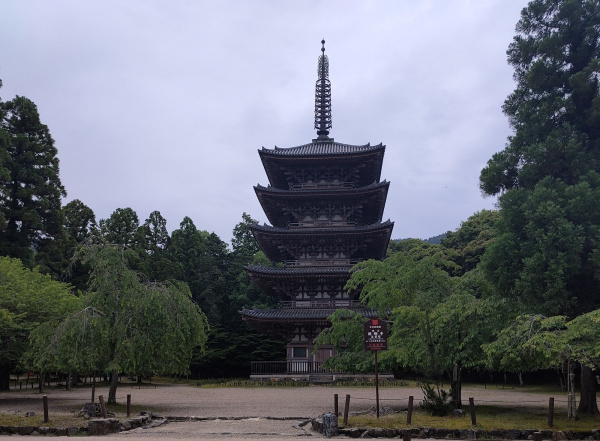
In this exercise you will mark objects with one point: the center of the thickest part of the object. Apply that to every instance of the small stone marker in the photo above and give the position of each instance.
(330, 425)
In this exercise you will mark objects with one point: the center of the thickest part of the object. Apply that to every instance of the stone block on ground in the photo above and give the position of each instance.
(101, 426)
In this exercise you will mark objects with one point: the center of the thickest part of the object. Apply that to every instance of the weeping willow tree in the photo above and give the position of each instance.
(126, 325)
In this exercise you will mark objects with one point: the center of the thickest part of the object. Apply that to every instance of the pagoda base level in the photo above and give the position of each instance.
(321, 378)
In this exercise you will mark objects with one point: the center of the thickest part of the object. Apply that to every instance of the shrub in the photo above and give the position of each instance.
(436, 404)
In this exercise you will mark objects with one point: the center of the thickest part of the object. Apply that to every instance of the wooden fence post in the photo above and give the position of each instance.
(472, 406)
(102, 406)
(45, 401)
(410, 410)
(346, 410)
(128, 404)
(335, 405)
(551, 412)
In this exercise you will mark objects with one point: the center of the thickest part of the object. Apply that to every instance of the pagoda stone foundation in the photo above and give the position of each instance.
(325, 203)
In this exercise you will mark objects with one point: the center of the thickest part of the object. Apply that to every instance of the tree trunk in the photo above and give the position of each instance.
(456, 387)
(4, 377)
(41, 383)
(112, 391)
(587, 403)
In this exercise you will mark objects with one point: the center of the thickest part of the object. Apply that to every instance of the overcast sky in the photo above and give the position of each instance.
(162, 105)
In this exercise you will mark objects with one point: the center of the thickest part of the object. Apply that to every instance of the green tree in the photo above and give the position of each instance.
(4, 160)
(472, 238)
(79, 225)
(190, 250)
(437, 321)
(555, 109)
(31, 190)
(27, 299)
(156, 245)
(138, 327)
(549, 230)
(533, 342)
(122, 228)
(80, 221)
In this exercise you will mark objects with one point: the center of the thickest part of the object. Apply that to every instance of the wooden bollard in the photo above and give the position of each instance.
(128, 404)
(551, 412)
(93, 392)
(472, 407)
(102, 406)
(335, 405)
(406, 435)
(346, 410)
(410, 411)
(537, 436)
(45, 401)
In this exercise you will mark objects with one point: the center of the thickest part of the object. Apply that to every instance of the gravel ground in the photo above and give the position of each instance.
(266, 412)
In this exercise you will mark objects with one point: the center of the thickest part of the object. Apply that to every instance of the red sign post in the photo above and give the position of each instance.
(376, 340)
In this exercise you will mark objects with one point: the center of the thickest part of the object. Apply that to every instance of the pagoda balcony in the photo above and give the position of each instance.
(320, 185)
(305, 370)
(318, 225)
(320, 304)
(320, 262)
(288, 367)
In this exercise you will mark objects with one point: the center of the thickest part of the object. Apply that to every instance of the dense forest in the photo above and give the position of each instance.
(515, 289)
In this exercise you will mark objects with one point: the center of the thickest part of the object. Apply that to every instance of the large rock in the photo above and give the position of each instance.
(103, 426)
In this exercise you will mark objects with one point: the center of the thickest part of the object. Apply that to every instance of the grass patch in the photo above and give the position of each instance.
(54, 420)
(488, 418)
(18, 419)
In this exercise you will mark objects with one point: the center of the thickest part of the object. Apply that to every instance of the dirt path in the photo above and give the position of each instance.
(299, 402)
(264, 412)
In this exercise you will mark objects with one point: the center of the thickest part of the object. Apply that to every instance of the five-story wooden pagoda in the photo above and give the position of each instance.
(325, 203)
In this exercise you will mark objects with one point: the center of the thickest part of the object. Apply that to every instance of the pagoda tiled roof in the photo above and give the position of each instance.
(296, 314)
(323, 231)
(279, 243)
(278, 271)
(283, 283)
(371, 199)
(320, 190)
(323, 148)
(278, 162)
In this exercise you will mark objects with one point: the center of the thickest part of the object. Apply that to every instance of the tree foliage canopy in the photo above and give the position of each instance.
(31, 190)
(127, 325)
(555, 109)
(27, 300)
(548, 232)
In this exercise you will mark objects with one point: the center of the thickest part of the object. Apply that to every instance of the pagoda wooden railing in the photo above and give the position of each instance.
(320, 304)
(288, 367)
(320, 185)
(320, 262)
(321, 225)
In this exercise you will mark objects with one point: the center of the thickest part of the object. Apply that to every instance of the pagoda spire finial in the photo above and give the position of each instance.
(323, 97)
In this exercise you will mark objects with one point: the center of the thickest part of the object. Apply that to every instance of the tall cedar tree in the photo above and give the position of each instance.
(30, 205)
(546, 254)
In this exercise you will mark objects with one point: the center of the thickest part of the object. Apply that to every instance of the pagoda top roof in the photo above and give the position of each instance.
(279, 162)
(322, 148)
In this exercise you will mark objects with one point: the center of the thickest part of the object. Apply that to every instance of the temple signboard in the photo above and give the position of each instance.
(375, 335)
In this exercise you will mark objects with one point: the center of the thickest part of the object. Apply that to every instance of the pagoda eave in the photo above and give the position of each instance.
(367, 158)
(284, 283)
(367, 242)
(277, 204)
